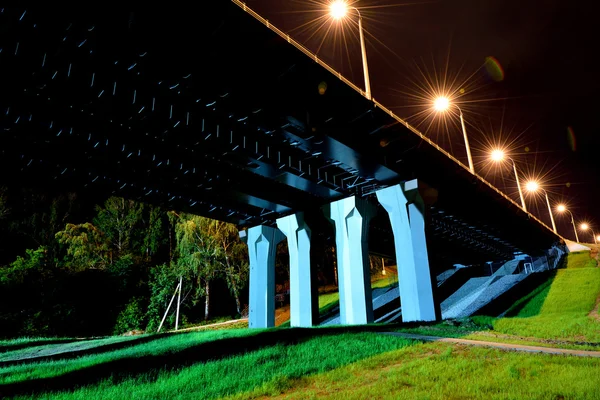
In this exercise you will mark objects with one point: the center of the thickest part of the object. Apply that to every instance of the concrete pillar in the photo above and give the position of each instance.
(351, 218)
(406, 211)
(298, 239)
(262, 244)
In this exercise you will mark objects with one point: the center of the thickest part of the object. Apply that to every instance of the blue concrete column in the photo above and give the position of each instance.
(351, 218)
(262, 244)
(298, 239)
(405, 209)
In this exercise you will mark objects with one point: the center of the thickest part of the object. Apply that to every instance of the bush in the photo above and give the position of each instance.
(133, 317)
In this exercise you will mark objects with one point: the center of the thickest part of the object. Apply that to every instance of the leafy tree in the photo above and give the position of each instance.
(198, 254)
(234, 256)
(118, 220)
(87, 246)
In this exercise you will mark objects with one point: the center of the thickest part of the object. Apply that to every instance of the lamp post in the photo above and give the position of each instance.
(338, 10)
(442, 104)
(533, 186)
(499, 156)
(562, 208)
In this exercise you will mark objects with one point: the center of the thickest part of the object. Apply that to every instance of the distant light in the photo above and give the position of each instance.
(532, 186)
(584, 226)
(598, 238)
(497, 155)
(441, 104)
(561, 208)
(338, 9)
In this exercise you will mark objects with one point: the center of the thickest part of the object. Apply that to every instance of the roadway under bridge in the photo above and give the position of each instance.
(218, 113)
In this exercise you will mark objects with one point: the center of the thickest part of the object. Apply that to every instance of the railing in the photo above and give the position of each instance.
(323, 64)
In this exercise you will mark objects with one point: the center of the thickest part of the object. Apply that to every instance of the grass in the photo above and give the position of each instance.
(328, 301)
(336, 363)
(443, 371)
(249, 361)
(561, 309)
(555, 314)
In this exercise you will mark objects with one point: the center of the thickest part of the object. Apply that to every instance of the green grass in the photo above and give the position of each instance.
(580, 259)
(199, 365)
(555, 314)
(559, 310)
(327, 301)
(444, 371)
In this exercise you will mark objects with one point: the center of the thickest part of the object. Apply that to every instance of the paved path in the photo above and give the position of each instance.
(503, 346)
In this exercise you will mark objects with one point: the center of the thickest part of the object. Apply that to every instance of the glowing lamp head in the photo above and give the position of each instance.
(532, 186)
(338, 9)
(584, 226)
(561, 208)
(497, 155)
(441, 104)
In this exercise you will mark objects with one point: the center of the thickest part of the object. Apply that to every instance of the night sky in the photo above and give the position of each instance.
(524, 72)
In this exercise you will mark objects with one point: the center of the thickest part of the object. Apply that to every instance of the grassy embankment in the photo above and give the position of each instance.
(333, 363)
(557, 313)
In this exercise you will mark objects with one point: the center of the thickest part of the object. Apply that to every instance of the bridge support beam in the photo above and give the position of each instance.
(262, 244)
(405, 208)
(351, 218)
(298, 239)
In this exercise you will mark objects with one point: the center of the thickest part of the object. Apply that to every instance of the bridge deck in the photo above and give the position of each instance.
(216, 114)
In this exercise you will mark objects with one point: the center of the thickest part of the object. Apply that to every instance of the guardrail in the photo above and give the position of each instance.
(329, 68)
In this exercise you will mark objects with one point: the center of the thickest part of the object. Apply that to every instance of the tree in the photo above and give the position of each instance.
(198, 253)
(234, 256)
(119, 220)
(87, 246)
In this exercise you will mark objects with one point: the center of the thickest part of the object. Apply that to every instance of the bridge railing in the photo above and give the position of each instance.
(329, 68)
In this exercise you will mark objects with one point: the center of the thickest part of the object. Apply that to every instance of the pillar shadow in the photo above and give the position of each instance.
(152, 365)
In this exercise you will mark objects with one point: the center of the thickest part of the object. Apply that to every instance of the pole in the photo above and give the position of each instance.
(550, 211)
(462, 123)
(595, 241)
(574, 227)
(519, 186)
(364, 57)
(178, 303)
(168, 308)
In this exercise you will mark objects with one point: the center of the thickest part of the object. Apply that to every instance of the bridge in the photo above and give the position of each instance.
(220, 114)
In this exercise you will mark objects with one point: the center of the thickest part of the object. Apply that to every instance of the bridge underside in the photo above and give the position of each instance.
(215, 114)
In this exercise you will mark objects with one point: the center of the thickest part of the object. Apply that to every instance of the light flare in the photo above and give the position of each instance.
(561, 208)
(584, 226)
(338, 9)
(497, 155)
(532, 186)
(441, 103)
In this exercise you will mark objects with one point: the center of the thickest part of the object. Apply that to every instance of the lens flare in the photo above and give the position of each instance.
(584, 226)
(571, 139)
(497, 155)
(494, 69)
(338, 9)
(561, 208)
(532, 186)
(441, 103)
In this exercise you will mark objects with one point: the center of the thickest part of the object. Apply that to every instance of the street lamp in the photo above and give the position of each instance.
(585, 227)
(338, 10)
(561, 208)
(533, 186)
(499, 156)
(442, 104)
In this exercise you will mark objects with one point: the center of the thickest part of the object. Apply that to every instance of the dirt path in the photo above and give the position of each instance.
(595, 313)
(502, 346)
(199, 327)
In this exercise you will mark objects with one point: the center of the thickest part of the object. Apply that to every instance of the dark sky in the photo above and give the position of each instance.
(547, 50)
